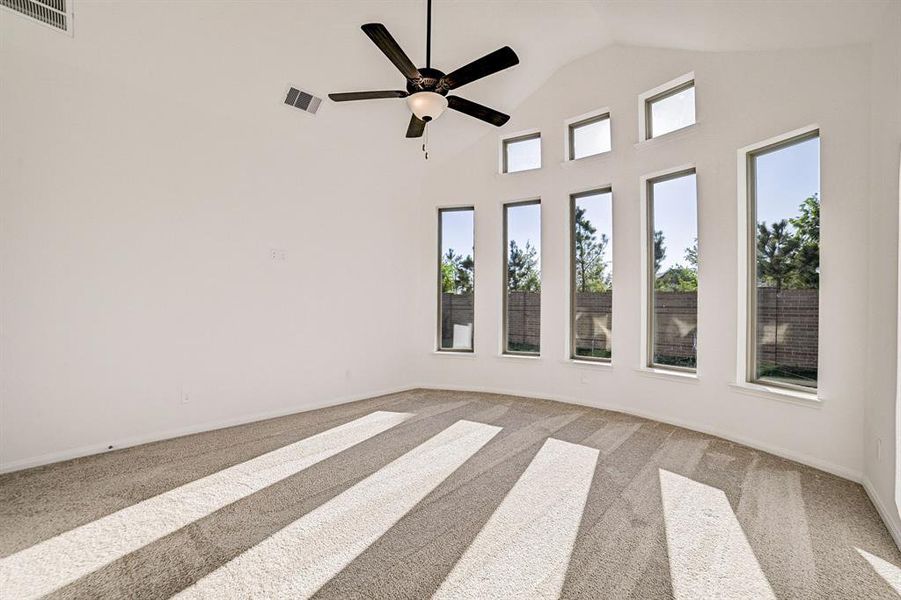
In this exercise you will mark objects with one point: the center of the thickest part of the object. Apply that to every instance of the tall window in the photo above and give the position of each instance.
(672, 239)
(522, 153)
(456, 282)
(591, 274)
(589, 136)
(784, 211)
(522, 265)
(670, 110)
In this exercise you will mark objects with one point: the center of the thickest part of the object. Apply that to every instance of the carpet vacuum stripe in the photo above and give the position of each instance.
(297, 560)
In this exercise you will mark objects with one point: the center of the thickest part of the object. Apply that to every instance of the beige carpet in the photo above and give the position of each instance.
(447, 495)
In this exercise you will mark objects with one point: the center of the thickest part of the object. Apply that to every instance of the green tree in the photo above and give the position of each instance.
(807, 231)
(522, 268)
(777, 248)
(691, 255)
(591, 268)
(677, 278)
(659, 250)
(456, 273)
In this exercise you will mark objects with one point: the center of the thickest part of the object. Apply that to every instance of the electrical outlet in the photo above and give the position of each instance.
(278, 254)
(879, 449)
(185, 398)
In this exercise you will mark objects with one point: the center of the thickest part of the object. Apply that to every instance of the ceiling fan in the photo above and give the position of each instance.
(427, 88)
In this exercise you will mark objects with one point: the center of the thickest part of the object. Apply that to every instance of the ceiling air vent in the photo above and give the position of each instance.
(54, 13)
(305, 101)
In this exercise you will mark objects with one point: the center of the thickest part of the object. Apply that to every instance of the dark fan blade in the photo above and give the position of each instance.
(346, 96)
(378, 34)
(483, 67)
(416, 127)
(478, 111)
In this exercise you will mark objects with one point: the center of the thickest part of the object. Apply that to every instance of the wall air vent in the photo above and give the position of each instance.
(53, 13)
(305, 101)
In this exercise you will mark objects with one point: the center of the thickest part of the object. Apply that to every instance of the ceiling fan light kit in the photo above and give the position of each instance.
(427, 106)
(427, 88)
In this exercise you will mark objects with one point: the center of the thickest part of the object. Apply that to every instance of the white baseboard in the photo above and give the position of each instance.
(68, 454)
(811, 461)
(888, 514)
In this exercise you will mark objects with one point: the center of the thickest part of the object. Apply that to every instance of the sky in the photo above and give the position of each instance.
(676, 215)
(784, 179)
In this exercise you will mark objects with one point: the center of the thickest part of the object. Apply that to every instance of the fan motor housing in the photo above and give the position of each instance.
(428, 83)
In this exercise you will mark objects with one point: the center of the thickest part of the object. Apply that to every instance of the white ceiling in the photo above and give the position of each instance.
(235, 59)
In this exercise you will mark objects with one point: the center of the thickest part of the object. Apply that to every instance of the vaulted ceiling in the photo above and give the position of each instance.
(235, 59)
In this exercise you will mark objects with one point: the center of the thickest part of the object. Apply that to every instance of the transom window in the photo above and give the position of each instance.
(522, 153)
(670, 110)
(589, 136)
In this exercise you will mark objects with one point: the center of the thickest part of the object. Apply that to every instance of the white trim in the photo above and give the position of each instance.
(644, 359)
(741, 355)
(507, 136)
(455, 353)
(519, 356)
(885, 514)
(642, 106)
(138, 440)
(805, 459)
(584, 117)
(670, 374)
(778, 393)
(604, 365)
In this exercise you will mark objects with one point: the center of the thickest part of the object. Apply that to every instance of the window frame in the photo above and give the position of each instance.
(749, 155)
(438, 337)
(505, 340)
(581, 121)
(661, 92)
(520, 137)
(649, 278)
(573, 198)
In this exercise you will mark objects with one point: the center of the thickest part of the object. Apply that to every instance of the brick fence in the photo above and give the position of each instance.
(787, 323)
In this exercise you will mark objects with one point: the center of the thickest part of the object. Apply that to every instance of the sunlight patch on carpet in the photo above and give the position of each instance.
(524, 549)
(60, 560)
(709, 555)
(298, 559)
(889, 572)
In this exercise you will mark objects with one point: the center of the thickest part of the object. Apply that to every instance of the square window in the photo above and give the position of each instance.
(589, 137)
(522, 153)
(670, 110)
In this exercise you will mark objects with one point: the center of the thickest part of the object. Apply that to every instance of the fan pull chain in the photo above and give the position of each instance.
(425, 144)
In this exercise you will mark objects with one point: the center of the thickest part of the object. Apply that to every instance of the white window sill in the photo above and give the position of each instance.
(776, 393)
(588, 159)
(455, 354)
(686, 131)
(672, 375)
(590, 364)
(519, 356)
(532, 170)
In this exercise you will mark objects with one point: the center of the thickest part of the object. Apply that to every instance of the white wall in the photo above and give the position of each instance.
(742, 98)
(140, 199)
(881, 431)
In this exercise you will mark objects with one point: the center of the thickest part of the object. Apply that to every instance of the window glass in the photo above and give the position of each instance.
(456, 279)
(592, 275)
(786, 202)
(590, 137)
(671, 111)
(673, 260)
(522, 154)
(522, 263)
